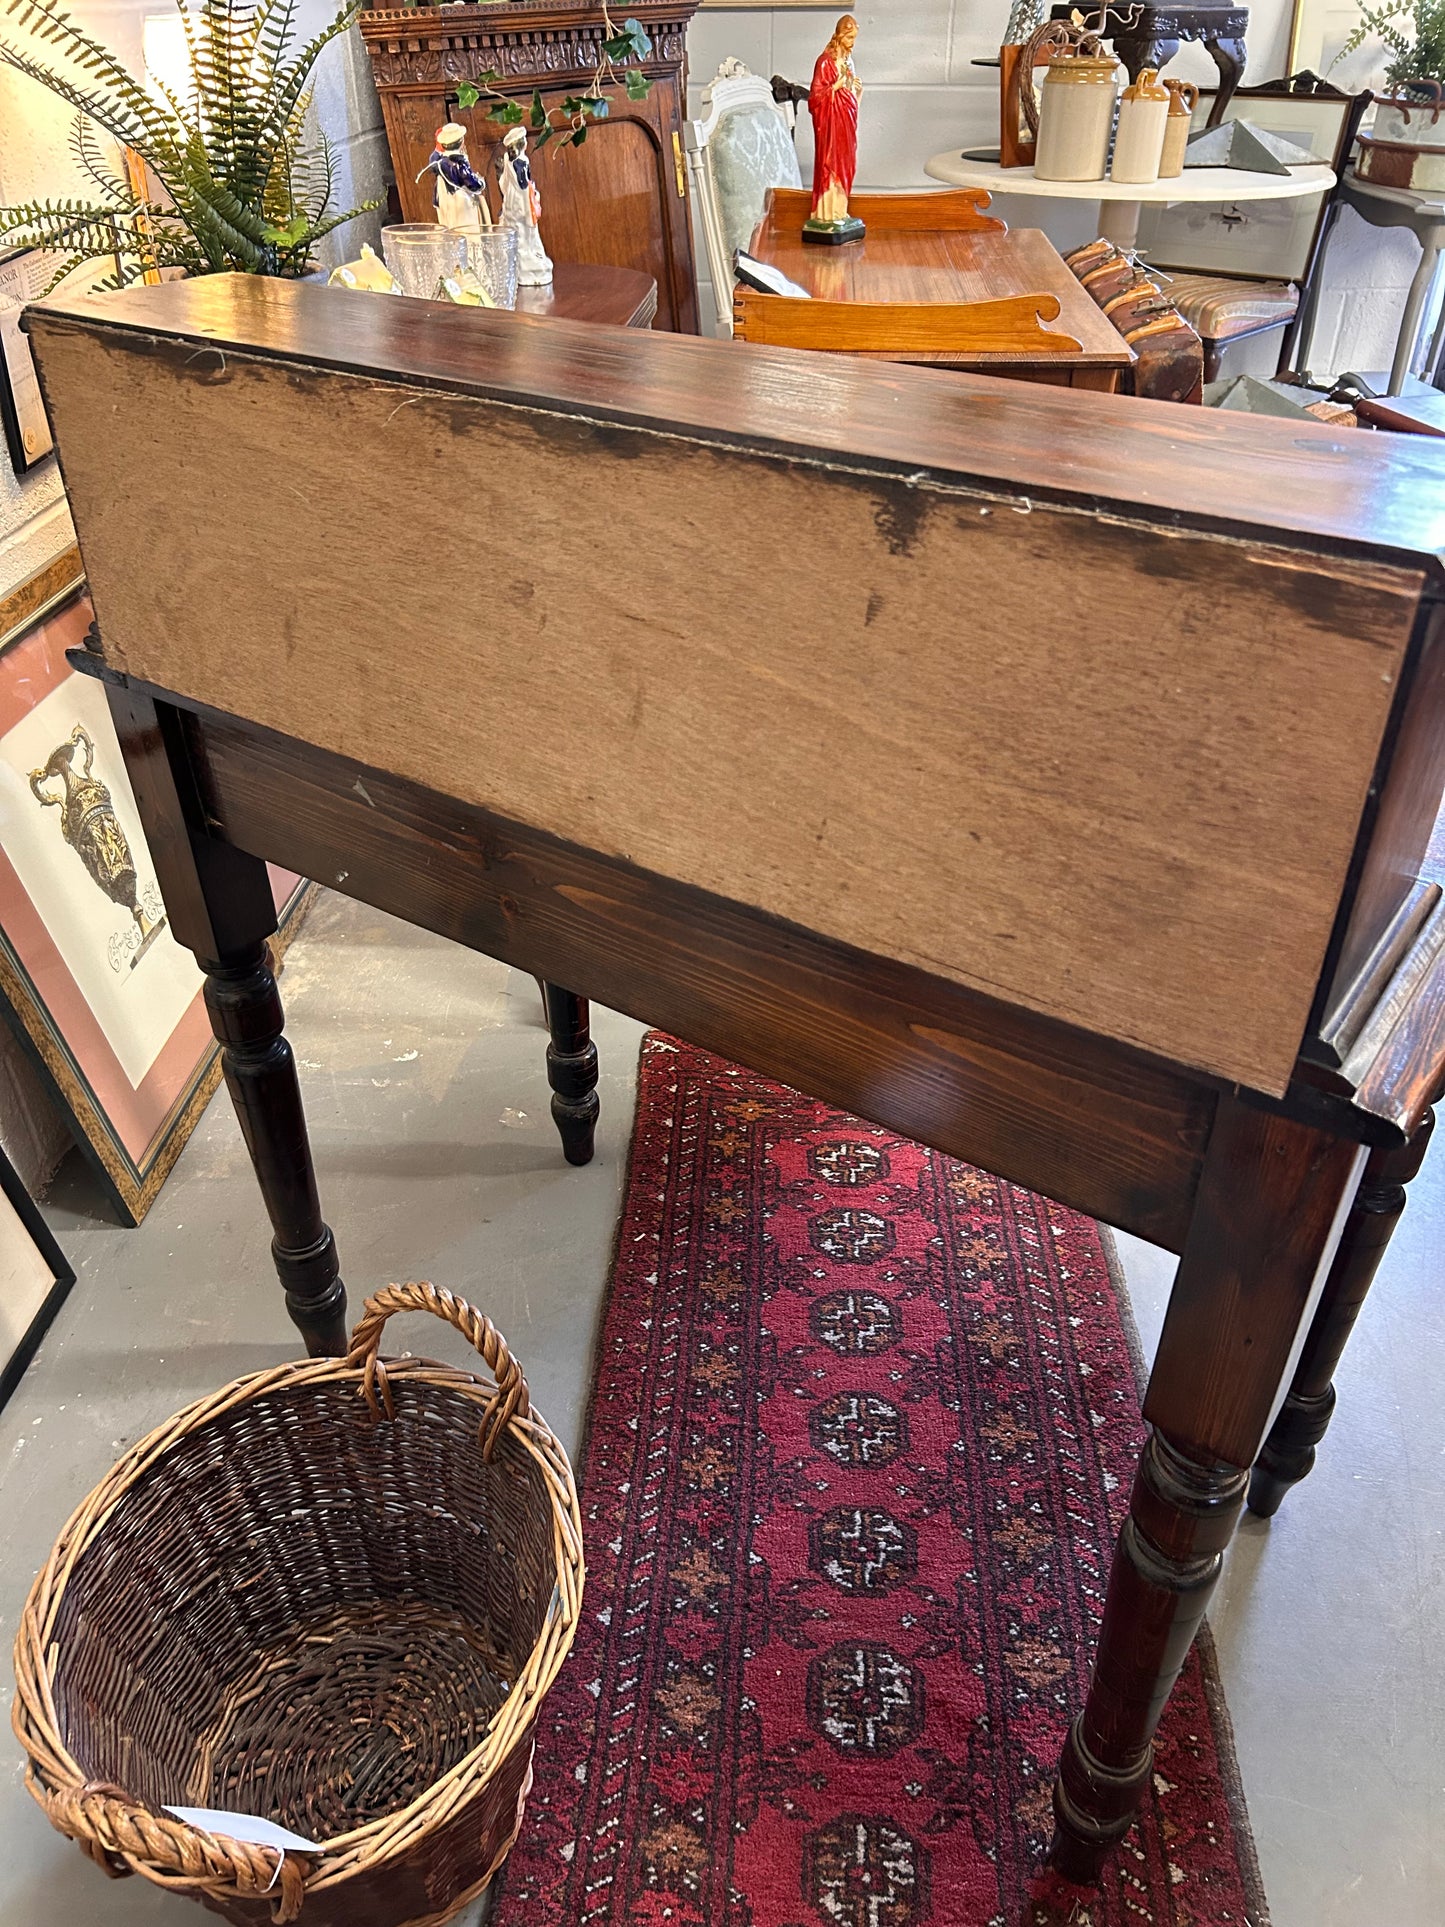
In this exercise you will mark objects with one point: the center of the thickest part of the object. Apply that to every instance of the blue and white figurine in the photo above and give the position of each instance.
(522, 210)
(459, 195)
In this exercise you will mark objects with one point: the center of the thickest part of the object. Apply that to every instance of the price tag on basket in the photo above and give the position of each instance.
(245, 1826)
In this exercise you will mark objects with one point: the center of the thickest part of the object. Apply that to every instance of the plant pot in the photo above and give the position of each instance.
(1406, 146)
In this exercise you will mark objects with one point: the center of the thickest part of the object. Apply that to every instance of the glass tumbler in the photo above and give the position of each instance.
(421, 255)
(489, 258)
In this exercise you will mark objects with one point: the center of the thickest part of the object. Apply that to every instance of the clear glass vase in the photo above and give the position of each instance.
(421, 256)
(489, 265)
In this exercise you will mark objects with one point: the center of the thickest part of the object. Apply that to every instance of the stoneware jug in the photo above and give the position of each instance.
(1183, 99)
(1139, 143)
(1076, 112)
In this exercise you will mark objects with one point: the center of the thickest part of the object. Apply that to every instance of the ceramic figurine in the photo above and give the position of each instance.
(459, 195)
(833, 103)
(466, 292)
(522, 210)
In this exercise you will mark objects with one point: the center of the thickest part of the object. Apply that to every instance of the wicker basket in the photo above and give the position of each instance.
(311, 1598)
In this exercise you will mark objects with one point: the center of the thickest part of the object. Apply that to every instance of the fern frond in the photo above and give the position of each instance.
(1414, 32)
(313, 178)
(339, 220)
(85, 152)
(110, 113)
(44, 21)
(244, 185)
(290, 81)
(54, 224)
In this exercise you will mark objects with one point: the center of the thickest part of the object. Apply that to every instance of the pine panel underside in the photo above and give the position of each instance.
(1109, 773)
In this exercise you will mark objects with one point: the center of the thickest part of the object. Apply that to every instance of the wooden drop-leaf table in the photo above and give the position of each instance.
(1042, 774)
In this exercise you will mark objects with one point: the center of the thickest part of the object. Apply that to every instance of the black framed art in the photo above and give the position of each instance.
(34, 1277)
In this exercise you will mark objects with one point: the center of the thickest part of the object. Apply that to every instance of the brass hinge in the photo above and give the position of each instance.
(677, 163)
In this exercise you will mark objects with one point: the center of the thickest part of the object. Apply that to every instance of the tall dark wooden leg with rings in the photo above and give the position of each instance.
(572, 1072)
(1271, 1200)
(218, 899)
(1181, 1517)
(260, 1070)
(1289, 1451)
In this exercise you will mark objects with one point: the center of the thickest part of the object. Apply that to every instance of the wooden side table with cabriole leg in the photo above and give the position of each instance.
(1021, 872)
(1148, 33)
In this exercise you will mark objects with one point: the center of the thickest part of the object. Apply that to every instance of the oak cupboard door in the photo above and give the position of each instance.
(620, 200)
(625, 166)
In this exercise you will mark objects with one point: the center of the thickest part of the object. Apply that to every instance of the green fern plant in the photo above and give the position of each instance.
(1414, 31)
(242, 188)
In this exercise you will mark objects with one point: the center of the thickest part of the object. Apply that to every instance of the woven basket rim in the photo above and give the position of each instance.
(51, 1768)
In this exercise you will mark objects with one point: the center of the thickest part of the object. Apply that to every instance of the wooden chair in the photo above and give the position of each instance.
(741, 148)
(1236, 278)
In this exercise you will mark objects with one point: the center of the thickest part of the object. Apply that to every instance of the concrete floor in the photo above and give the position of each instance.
(423, 1073)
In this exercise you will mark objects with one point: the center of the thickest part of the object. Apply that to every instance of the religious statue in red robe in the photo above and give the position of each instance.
(833, 104)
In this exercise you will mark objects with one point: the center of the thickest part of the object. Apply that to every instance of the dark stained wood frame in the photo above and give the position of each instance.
(1256, 1193)
(62, 1274)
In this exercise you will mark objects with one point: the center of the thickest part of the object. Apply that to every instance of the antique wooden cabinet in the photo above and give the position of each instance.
(620, 199)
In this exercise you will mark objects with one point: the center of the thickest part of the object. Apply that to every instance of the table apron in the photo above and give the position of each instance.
(1083, 1120)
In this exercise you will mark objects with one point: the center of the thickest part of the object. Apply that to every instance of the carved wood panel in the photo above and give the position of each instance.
(620, 199)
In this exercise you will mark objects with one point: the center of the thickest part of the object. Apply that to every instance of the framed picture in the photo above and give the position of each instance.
(34, 1278)
(105, 1000)
(1267, 240)
(24, 274)
(1319, 31)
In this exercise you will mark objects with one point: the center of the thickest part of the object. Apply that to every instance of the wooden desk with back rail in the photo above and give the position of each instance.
(1042, 774)
(937, 281)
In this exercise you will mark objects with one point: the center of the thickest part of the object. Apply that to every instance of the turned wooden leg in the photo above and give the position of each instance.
(1303, 1419)
(260, 1070)
(219, 903)
(1270, 1205)
(1182, 1515)
(572, 1072)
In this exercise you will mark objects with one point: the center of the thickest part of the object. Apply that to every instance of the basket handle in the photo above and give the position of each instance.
(511, 1396)
(124, 1837)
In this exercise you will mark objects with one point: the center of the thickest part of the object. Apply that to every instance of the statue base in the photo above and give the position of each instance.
(832, 234)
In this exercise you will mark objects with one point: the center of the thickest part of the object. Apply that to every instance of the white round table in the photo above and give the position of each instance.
(1121, 201)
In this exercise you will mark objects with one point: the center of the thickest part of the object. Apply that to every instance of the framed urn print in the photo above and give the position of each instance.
(98, 990)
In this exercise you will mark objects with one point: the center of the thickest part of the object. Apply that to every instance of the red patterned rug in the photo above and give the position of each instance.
(862, 1433)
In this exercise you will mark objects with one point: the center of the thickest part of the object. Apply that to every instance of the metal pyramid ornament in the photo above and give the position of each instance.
(1239, 143)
